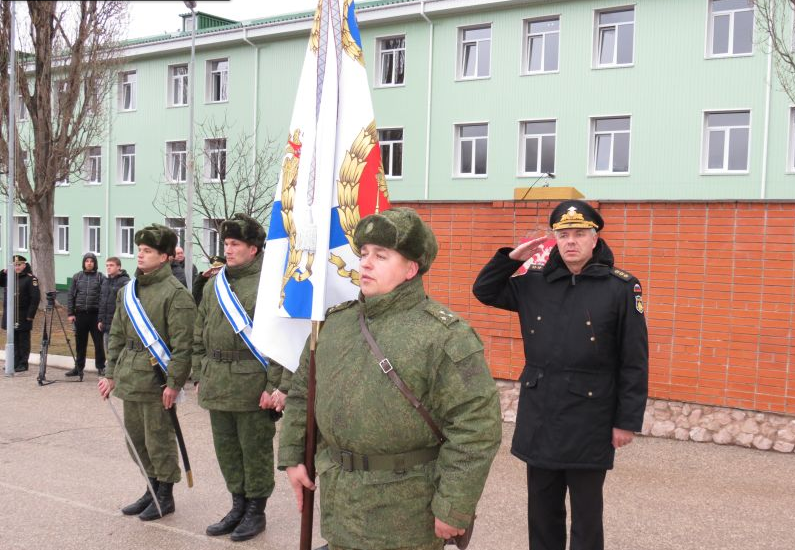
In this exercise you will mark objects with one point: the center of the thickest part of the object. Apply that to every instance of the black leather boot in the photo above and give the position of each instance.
(166, 499)
(74, 372)
(253, 521)
(140, 505)
(231, 520)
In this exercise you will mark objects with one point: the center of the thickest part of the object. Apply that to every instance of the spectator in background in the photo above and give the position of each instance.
(82, 310)
(116, 278)
(26, 303)
(178, 267)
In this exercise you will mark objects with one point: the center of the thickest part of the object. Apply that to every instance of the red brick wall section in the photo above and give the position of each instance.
(717, 282)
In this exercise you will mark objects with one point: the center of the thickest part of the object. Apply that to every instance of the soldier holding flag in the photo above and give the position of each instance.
(152, 327)
(238, 385)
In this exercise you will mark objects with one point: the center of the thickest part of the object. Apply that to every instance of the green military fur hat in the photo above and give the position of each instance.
(402, 230)
(243, 228)
(159, 237)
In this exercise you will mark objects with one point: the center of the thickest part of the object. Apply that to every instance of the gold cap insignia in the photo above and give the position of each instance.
(573, 219)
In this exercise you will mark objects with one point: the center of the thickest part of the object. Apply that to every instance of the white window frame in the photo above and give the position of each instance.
(706, 130)
(212, 147)
(600, 27)
(459, 140)
(212, 238)
(524, 136)
(731, 13)
(92, 232)
(93, 167)
(128, 86)
(125, 237)
(544, 35)
(21, 233)
(22, 110)
(593, 142)
(178, 82)
(223, 76)
(462, 45)
(790, 169)
(382, 53)
(61, 234)
(127, 164)
(177, 225)
(391, 145)
(172, 157)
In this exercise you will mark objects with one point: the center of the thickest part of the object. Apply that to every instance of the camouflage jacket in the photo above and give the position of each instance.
(224, 385)
(359, 409)
(171, 310)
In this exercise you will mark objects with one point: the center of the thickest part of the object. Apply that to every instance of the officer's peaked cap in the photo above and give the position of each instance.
(574, 214)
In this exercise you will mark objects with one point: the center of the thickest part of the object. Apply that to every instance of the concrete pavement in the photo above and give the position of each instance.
(64, 474)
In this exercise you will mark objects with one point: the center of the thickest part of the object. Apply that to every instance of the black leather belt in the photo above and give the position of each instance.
(231, 355)
(400, 462)
(135, 344)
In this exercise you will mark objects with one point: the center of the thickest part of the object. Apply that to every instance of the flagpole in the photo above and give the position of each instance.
(308, 509)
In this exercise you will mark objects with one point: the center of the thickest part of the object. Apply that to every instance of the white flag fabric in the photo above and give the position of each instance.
(331, 177)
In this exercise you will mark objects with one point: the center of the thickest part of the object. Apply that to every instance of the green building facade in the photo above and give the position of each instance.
(651, 100)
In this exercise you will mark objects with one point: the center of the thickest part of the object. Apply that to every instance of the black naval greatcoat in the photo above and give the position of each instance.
(27, 299)
(586, 356)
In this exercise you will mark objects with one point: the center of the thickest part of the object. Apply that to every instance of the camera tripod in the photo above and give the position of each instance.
(49, 313)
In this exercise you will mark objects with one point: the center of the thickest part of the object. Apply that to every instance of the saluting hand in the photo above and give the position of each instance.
(298, 480)
(525, 251)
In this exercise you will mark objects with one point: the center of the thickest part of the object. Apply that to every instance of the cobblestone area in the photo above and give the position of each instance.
(693, 422)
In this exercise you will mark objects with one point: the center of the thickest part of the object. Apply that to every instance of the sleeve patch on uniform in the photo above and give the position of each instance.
(639, 303)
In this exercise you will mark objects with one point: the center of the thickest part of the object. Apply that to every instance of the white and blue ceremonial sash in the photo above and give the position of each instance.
(144, 327)
(236, 314)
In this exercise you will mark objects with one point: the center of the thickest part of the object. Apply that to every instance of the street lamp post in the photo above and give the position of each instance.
(12, 136)
(190, 157)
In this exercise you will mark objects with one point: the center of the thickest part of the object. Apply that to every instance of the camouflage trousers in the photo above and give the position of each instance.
(151, 432)
(244, 448)
(438, 544)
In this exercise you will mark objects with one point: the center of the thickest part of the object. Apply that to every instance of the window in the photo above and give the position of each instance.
(92, 242)
(615, 36)
(125, 235)
(178, 226)
(212, 239)
(21, 233)
(127, 163)
(542, 45)
(218, 80)
(391, 142)
(128, 90)
(178, 85)
(61, 230)
(93, 166)
(177, 161)
(791, 161)
(610, 145)
(474, 52)
(60, 89)
(472, 142)
(215, 159)
(731, 27)
(392, 60)
(727, 139)
(538, 148)
(22, 111)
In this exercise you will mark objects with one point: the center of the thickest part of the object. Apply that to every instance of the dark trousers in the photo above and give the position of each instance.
(85, 324)
(21, 348)
(546, 508)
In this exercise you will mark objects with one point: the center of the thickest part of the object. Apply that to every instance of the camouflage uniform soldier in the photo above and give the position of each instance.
(386, 482)
(242, 397)
(170, 308)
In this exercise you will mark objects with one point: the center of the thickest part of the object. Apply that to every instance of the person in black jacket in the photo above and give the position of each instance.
(82, 310)
(115, 279)
(178, 266)
(585, 381)
(26, 304)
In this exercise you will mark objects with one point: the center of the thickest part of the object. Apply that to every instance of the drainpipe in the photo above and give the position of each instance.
(769, 83)
(256, 94)
(429, 103)
(107, 171)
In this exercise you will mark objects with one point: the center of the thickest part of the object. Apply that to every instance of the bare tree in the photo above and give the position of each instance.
(231, 176)
(775, 19)
(66, 69)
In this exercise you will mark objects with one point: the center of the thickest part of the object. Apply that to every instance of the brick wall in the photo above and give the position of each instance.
(717, 280)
